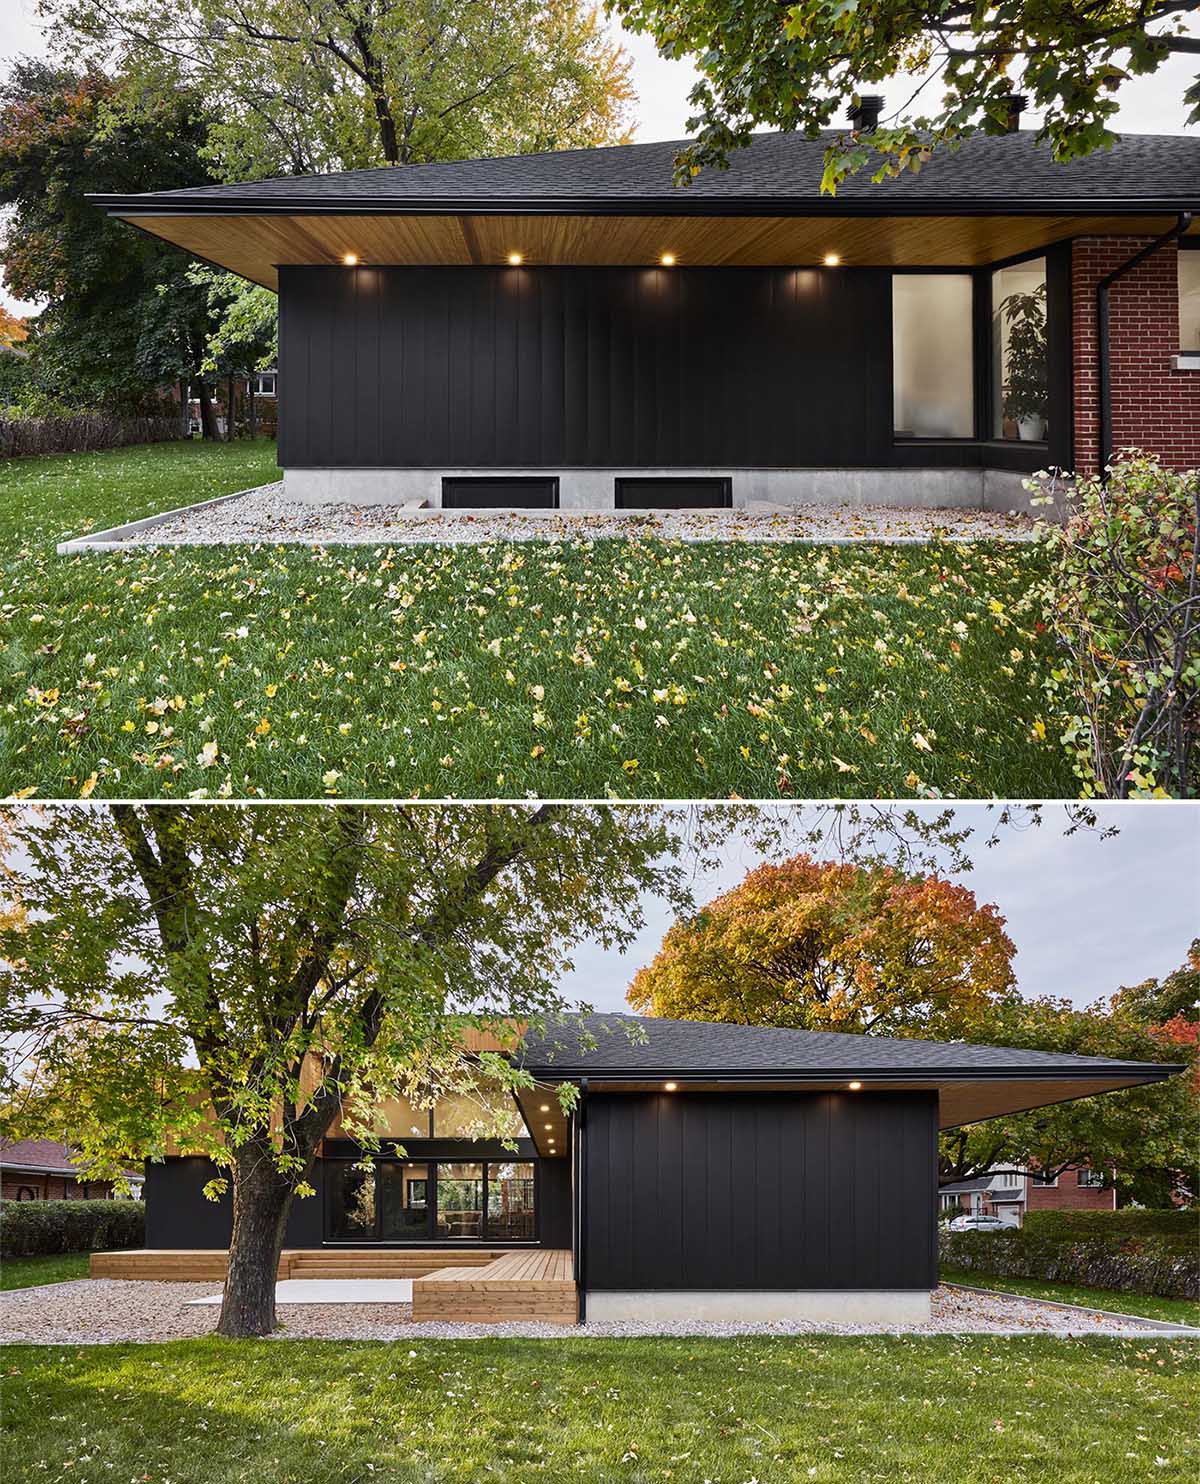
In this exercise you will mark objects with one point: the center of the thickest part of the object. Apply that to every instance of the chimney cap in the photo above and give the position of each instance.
(1014, 107)
(864, 114)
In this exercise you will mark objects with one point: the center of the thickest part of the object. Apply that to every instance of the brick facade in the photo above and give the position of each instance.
(1068, 1195)
(1154, 407)
(18, 1186)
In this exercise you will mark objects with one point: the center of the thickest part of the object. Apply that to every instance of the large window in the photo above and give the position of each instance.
(424, 1201)
(460, 1201)
(932, 360)
(510, 1202)
(1189, 300)
(1019, 351)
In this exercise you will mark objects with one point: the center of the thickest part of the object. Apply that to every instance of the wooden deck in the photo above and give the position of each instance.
(208, 1266)
(519, 1285)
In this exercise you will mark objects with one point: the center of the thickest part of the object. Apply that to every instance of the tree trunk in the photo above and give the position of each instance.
(185, 411)
(230, 409)
(208, 421)
(262, 1198)
(251, 410)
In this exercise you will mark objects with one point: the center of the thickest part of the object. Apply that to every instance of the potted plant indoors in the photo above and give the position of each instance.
(1024, 384)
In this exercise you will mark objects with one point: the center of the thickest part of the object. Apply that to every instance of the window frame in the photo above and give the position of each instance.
(432, 1203)
(1188, 245)
(945, 440)
(1096, 1179)
(988, 424)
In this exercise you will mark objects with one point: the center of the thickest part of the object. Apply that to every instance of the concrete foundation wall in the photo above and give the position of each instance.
(592, 489)
(756, 1306)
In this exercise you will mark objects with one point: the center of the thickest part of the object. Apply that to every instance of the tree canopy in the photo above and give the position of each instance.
(823, 945)
(121, 317)
(303, 86)
(879, 951)
(226, 981)
(797, 64)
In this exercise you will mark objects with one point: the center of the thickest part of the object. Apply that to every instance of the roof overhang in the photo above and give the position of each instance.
(967, 1096)
(255, 237)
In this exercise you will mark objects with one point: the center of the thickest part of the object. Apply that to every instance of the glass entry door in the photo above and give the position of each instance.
(404, 1205)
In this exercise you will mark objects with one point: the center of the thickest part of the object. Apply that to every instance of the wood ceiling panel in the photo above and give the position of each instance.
(255, 245)
(959, 1101)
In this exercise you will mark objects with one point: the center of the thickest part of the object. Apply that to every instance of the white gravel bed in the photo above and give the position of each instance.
(92, 1311)
(264, 515)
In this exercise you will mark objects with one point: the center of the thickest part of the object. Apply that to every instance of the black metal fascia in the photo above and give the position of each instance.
(675, 205)
(1151, 1072)
(1104, 368)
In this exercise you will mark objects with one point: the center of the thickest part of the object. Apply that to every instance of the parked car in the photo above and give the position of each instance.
(979, 1224)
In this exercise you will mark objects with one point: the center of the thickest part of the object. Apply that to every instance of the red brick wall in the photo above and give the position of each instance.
(1069, 1195)
(51, 1188)
(1154, 407)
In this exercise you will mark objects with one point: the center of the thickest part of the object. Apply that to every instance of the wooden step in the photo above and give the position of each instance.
(530, 1285)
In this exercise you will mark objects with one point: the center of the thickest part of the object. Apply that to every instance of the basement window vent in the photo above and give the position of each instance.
(500, 492)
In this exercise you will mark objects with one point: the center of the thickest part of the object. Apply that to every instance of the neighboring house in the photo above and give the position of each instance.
(42, 1170)
(571, 329)
(1009, 1195)
(718, 1170)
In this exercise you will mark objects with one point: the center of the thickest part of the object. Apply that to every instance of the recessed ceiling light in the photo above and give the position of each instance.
(545, 1107)
(549, 1125)
(669, 1086)
(515, 259)
(350, 259)
(667, 260)
(832, 260)
(856, 1087)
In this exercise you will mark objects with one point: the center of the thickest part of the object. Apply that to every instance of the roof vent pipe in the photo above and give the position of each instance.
(1014, 107)
(864, 114)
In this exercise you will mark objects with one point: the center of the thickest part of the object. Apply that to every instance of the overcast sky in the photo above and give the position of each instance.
(1149, 105)
(1087, 914)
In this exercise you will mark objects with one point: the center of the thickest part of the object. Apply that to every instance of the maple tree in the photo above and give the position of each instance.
(796, 64)
(238, 977)
(834, 946)
(13, 329)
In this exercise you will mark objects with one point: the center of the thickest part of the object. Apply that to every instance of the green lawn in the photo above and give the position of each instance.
(621, 668)
(29, 1272)
(1174, 1311)
(725, 1411)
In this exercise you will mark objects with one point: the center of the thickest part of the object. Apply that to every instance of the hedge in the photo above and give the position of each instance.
(38, 1228)
(82, 432)
(1136, 1264)
(1181, 1228)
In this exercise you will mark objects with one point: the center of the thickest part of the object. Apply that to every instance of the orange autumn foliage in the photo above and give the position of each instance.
(819, 945)
(13, 329)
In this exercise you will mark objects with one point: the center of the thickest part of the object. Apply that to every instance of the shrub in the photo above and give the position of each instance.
(1134, 1264)
(22, 435)
(1123, 605)
(1171, 1225)
(38, 1228)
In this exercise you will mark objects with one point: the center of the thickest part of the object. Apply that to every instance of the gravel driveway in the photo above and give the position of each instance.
(104, 1310)
(264, 515)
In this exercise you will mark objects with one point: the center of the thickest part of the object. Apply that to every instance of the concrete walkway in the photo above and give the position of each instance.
(335, 1291)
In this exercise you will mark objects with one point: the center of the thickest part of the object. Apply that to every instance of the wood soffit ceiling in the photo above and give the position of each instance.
(959, 1101)
(255, 246)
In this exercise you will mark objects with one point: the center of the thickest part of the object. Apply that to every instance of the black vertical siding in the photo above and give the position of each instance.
(541, 368)
(554, 1202)
(782, 1191)
(179, 1215)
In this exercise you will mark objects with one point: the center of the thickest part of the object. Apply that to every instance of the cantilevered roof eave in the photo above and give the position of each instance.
(678, 203)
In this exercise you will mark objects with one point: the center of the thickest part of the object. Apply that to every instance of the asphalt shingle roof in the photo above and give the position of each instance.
(1004, 170)
(688, 1047)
